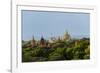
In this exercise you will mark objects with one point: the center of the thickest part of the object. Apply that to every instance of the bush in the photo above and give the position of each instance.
(58, 51)
(69, 53)
(26, 57)
(55, 56)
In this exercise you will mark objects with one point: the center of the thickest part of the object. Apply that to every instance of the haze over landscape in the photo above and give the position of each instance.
(48, 24)
(55, 36)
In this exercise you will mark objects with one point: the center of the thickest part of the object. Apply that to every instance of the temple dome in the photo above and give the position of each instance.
(66, 36)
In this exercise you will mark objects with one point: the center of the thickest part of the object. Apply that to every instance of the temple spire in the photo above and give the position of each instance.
(33, 42)
(66, 36)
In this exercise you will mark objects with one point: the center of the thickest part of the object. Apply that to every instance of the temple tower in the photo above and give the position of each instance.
(42, 42)
(33, 43)
(66, 36)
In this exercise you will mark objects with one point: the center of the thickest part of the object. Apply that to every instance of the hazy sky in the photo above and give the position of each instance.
(47, 24)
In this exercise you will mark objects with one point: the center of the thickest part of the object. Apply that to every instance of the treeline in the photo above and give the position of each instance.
(75, 49)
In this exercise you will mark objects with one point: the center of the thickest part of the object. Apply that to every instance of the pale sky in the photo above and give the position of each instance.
(48, 24)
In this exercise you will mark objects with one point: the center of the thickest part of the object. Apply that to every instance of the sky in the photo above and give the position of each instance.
(52, 24)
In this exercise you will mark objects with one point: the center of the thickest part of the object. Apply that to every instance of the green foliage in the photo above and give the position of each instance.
(60, 50)
(26, 57)
(26, 44)
(39, 52)
(55, 56)
(69, 53)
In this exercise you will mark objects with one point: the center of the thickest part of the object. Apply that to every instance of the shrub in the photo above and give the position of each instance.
(55, 56)
(26, 57)
(69, 53)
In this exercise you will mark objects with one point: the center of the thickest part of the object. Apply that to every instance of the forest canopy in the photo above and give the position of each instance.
(56, 49)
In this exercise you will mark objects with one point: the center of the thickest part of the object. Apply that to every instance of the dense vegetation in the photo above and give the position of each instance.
(75, 49)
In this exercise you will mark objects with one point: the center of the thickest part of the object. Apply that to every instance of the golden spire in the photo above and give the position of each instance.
(66, 36)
